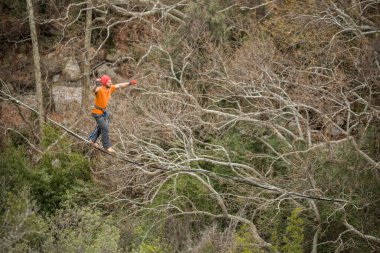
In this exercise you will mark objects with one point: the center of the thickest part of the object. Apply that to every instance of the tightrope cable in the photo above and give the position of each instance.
(205, 172)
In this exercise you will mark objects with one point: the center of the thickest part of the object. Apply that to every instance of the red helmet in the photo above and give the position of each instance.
(104, 79)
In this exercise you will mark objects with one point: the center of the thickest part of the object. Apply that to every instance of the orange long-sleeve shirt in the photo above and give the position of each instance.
(102, 96)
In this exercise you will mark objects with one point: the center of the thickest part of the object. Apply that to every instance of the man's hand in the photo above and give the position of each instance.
(133, 82)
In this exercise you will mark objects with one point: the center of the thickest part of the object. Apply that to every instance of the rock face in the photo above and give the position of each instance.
(104, 69)
(51, 64)
(114, 55)
(71, 72)
(67, 97)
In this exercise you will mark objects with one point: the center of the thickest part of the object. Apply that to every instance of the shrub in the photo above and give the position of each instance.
(15, 171)
(22, 229)
(82, 230)
(55, 176)
(244, 241)
(293, 238)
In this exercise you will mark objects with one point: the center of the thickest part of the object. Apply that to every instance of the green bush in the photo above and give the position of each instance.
(148, 239)
(22, 228)
(293, 238)
(50, 135)
(287, 233)
(244, 241)
(82, 230)
(15, 171)
(148, 248)
(191, 190)
(55, 176)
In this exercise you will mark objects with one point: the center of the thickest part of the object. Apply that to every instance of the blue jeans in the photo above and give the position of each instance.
(102, 123)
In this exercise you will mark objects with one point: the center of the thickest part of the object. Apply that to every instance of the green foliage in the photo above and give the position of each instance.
(205, 14)
(146, 239)
(50, 135)
(158, 232)
(343, 172)
(243, 142)
(294, 235)
(208, 247)
(217, 21)
(15, 171)
(82, 230)
(189, 193)
(244, 241)
(371, 141)
(82, 193)
(153, 247)
(285, 229)
(60, 179)
(55, 175)
(22, 229)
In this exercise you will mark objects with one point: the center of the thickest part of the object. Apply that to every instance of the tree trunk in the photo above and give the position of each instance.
(37, 67)
(86, 59)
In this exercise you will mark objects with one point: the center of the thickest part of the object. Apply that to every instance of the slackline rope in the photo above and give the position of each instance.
(210, 173)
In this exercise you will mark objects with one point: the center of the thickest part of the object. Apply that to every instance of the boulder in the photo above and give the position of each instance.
(335, 132)
(51, 64)
(56, 78)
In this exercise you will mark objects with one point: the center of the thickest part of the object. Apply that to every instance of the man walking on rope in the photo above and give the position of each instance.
(102, 95)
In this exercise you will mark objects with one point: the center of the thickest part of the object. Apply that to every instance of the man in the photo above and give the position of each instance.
(102, 95)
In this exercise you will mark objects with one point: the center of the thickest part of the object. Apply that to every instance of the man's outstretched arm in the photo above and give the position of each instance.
(123, 85)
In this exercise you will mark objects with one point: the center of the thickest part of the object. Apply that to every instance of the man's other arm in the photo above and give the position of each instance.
(123, 85)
